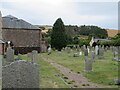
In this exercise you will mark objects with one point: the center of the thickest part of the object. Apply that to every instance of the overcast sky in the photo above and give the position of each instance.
(73, 12)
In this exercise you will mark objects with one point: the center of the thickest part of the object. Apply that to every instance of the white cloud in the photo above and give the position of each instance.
(47, 11)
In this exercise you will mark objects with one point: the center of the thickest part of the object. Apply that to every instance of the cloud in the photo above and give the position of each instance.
(72, 12)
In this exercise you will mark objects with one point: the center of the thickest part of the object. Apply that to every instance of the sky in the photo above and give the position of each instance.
(102, 13)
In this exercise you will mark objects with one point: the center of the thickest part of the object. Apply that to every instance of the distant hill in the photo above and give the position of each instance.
(44, 27)
(112, 33)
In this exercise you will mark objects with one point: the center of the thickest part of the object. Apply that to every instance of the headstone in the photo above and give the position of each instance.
(78, 48)
(10, 55)
(74, 48)
(96, 49)
(88, 50)
(43, 47)
(20, 74)
(101, 53)
(49, 50)
(75, 55)
(19, 57)
(80, 53)
(68, 50)
(93, 56)
(85, 52)
(35, 57)
(88, 64)
(117, 81)
(59, 53)
(29, 55)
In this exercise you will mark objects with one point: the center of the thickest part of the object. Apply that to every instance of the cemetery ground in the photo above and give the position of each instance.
(103, 75)
(104, 70)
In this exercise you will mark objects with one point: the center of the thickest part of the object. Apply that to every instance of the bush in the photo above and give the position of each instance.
(84, 42)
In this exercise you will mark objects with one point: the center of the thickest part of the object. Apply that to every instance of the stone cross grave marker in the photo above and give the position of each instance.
(10, 55)
(20, 74)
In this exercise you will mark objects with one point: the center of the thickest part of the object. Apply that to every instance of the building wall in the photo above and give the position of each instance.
(0, 26)
(22, 38)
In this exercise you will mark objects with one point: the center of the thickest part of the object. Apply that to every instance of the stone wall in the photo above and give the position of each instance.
(22, 38)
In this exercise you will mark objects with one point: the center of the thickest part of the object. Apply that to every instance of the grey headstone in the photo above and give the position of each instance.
(88, 64)
(20, 74)
(101, 53)
(10, 55)
(117, 81)
(93, 56)
(85, 52)
(19, 57)
(68, 50)
(75, 55)
(59, 53)
(35, 57)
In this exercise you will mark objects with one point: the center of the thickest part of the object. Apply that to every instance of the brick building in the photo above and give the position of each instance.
(24, 36)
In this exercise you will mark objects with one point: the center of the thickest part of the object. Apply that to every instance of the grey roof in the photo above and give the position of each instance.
(96, 40)
(1, 41)
(13, 22)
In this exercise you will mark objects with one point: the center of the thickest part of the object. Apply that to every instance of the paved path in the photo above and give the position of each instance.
(80, 81)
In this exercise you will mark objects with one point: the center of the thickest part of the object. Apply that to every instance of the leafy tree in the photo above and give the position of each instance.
(93, 31)
(58, 35)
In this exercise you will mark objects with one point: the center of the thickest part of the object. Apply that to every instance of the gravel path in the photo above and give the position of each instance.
(80, 81)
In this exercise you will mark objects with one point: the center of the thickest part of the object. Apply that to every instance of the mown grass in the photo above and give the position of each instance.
(104, 71)
(48, 76)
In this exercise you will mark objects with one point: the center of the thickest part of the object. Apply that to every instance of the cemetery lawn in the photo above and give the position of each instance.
(48, 78)
(47, 75)
(104, 71)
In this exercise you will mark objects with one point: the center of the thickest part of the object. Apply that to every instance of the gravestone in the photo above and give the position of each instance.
(75, 55)
(88, 50)
(101, 53)
(117, 81)
(29, 55)
(68, 50)
(10, 55)
(93, 56)
(35, 57)
(88, 64)
(20, 74)
(59, 53)
(78, 48)
(74, 48)
(85, 52)
(19, 57)
(80, 53)
(49, 50)
(96, 49)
